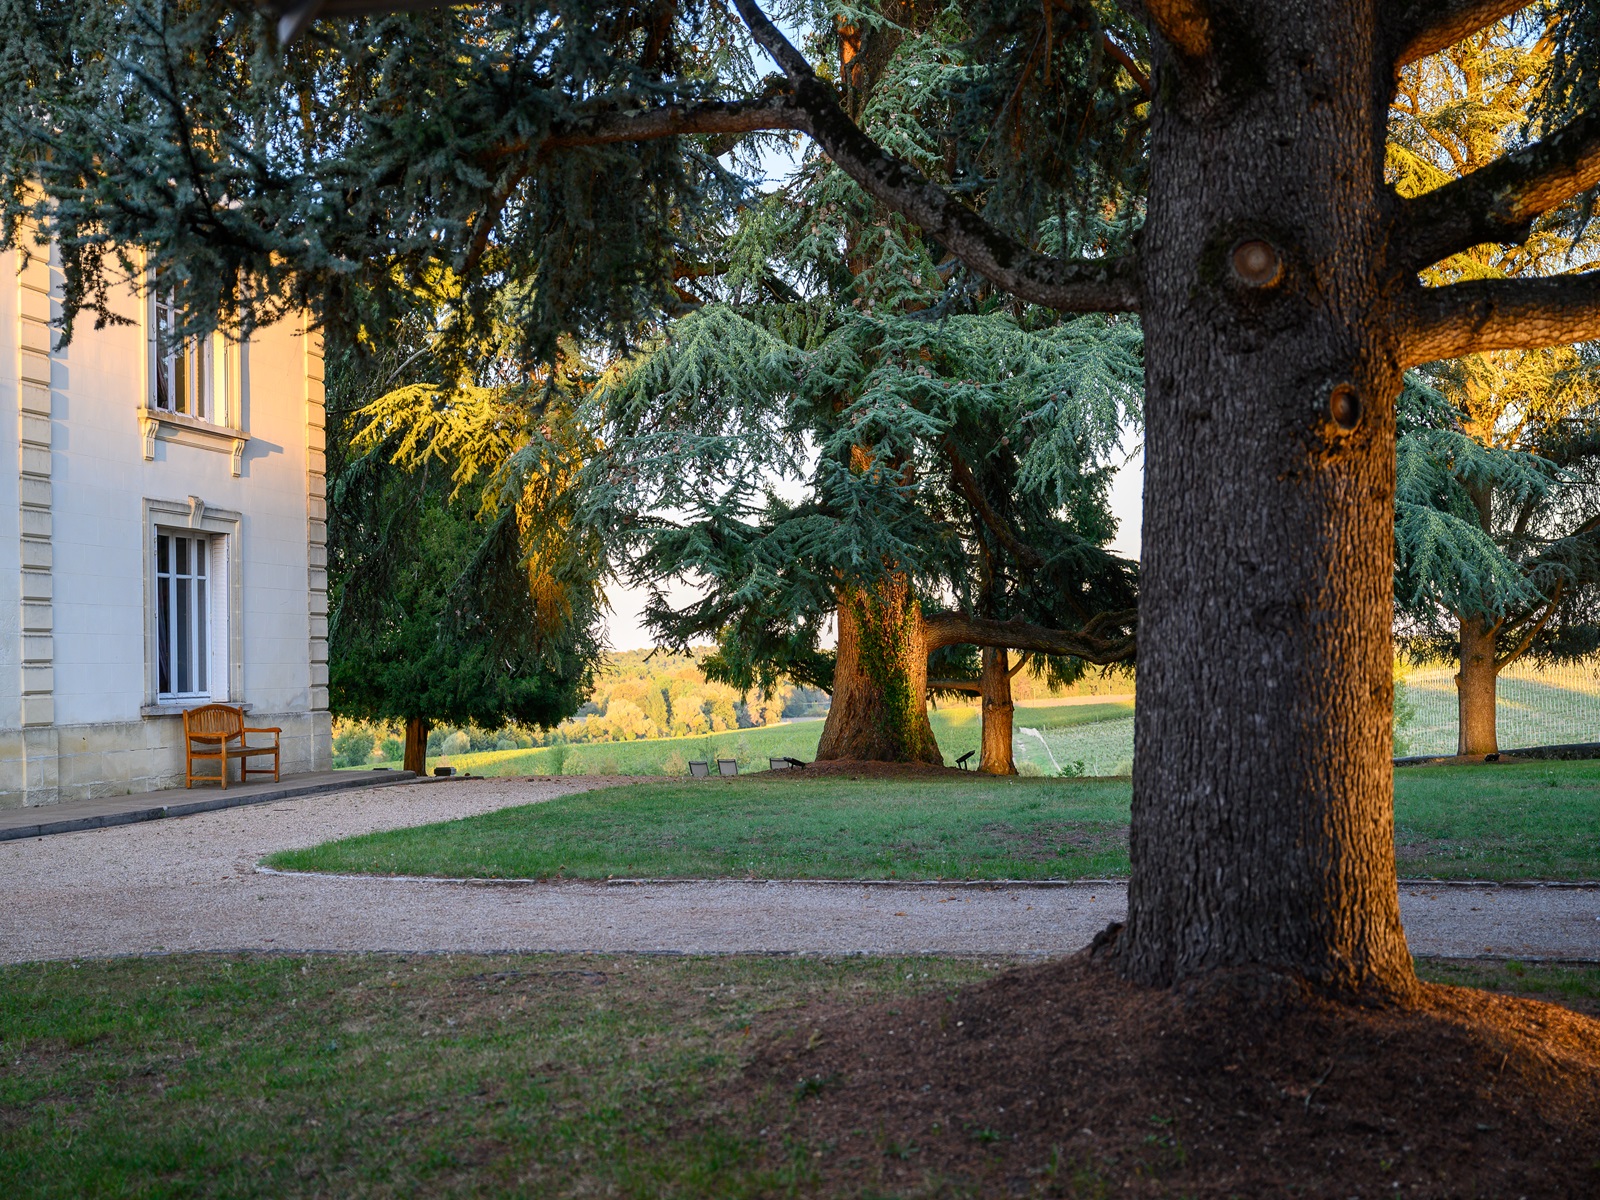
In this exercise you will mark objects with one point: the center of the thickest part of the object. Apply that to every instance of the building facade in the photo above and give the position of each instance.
(162, 541)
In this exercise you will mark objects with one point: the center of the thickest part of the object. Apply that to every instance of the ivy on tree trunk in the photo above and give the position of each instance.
(880, 681)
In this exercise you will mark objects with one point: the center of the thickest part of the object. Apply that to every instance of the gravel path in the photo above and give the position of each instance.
(192, 884)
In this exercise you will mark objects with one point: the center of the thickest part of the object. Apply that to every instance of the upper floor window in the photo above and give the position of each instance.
(193, 376)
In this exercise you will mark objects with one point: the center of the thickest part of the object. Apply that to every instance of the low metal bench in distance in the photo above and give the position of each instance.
(728, 766)
(700, 769)
(786, 764)
(965, 759)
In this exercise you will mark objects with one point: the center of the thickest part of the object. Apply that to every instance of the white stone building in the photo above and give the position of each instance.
(162, 543)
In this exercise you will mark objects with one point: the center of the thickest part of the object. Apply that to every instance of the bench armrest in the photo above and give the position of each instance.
(262, 729)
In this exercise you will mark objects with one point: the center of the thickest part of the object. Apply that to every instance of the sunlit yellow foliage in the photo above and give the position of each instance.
(1454, 113)
(521, 446)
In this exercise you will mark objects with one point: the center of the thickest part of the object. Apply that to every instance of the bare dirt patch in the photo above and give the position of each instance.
(1050, 840)
(1062, 1079)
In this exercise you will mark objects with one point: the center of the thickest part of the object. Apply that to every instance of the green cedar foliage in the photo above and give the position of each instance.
(1504, 534)
(176, 137)
(776, 450)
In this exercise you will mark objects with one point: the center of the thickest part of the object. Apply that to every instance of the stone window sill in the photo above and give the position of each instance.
(176, 708)
(185, 430)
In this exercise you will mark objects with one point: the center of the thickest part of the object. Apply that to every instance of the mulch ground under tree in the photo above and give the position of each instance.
(1063, 1079)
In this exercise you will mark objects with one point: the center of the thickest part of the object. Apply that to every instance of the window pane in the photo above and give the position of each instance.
(163, 322)
(181, 368)
(200, 350)
(164, 634)
(182, 545)
(163, 558)
(201, 626)
(185, 628)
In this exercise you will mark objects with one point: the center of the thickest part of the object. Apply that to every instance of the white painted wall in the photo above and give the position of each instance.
(10, 545)
(100, 477)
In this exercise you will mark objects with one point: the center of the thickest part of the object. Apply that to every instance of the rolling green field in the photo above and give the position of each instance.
(1484, 822)
(440, 1075)
(1099, 735)
(1537, 706)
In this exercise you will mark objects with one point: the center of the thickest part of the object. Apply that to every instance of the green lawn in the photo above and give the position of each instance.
(790, 828)
(393, 1076)
(1538, 820)
(1495, 822)
(384, 1075)
(1100, 736)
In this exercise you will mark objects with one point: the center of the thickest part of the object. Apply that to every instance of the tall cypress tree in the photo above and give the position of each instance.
(459, 592)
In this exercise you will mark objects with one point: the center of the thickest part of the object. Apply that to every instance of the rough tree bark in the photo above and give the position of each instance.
(1475, 689)
(995, 757)
(416, 754)
(1262, 831)
(879, 709)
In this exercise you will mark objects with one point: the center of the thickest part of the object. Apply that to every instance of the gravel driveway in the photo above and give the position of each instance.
(192, 884)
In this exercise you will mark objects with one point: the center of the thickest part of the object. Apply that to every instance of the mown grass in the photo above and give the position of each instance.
(1576, 987)
(1100, 736)
(1499, 821)
(396, 1076)
(384, 1075)
(825, 828)
(1484, 822)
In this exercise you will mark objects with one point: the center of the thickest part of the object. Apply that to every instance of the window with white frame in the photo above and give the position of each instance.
(190, 376)
(191, 615)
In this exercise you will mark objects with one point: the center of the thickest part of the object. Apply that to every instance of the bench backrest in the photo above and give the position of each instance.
(699, 769)
(213, 719)
(728, 766)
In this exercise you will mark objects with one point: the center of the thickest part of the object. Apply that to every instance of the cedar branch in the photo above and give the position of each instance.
(1083, 285)
(961, 476)
(1428, 26)
(1128, 62)
(1522, 647)
(1498, 203)
(1497, 314)
(955, 629)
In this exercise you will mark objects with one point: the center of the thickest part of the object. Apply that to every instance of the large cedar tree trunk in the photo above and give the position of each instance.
(1475, 691)
(995, 757)
(879, 709)
(1262, 835)
(416, 758)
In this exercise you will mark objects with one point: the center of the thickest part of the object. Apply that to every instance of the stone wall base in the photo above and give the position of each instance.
(123, 758)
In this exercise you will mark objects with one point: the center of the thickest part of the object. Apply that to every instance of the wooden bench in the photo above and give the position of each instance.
(209, 735)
